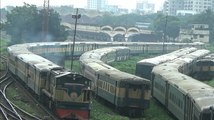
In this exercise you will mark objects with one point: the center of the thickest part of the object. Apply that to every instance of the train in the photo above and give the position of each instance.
(204, 68)
(185, 97)
(144, 67)
(39, 68)
(128, 93)
(64, 92)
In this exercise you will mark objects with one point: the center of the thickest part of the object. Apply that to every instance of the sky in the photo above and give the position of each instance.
(129, 4)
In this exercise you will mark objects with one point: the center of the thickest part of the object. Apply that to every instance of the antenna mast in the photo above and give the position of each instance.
(45, 20)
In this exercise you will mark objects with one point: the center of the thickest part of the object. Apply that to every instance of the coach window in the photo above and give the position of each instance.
(201, 36)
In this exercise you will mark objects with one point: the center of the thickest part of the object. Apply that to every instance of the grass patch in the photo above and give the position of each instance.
(130, 64)
(13, 94)
(76, 65)
(100, 112)
(209, 82)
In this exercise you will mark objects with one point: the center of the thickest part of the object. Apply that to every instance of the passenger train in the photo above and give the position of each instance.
(204, 68)
(185, 97)
(38, 66)
(145, 66)
(128, 93)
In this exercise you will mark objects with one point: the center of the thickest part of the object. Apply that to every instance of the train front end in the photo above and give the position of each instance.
(136, 96)
(72, 97)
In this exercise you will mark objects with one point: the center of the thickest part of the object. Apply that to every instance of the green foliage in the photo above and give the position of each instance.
(3, 46)
(127, 20)
(168, 25)
(210, 47)
(25, 24)
(99, 112)
(156, 111)
(76, 65)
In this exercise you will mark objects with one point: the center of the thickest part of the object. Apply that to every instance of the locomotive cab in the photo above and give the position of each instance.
(68, 94)
(72, 94)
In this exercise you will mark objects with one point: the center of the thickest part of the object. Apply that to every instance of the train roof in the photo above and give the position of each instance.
(177, 63)
(203, 98)
(123, 76)
(206, 60)
(99, 66)
(166, 57)
(38, 62)
(32, 58)
(19, 49)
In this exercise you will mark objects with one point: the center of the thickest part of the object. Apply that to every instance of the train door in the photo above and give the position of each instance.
(126, 94)
(15, 66)
(31, 77)
(42, 80)
(115, 93)
(152, 83)
(37, 85)
(166, 94)
(188, 109)
(98, 84)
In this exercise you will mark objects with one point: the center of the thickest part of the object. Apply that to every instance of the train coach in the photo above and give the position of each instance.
(63, 50)
(186, 98)
(128, 93)
(204, 68)
(145, 66)
(64, 92)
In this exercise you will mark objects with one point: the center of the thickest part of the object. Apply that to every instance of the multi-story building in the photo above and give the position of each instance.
(144, 6)
(96, 4)
(166, 7)
(195, 33)
(188, 6)
(174, 5)
(198, 5)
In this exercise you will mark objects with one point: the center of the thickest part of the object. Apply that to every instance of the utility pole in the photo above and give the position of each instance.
(45, 20)
(164, 34)
(77, 16)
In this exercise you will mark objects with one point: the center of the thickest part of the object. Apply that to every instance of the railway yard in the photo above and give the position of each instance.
(121, 90)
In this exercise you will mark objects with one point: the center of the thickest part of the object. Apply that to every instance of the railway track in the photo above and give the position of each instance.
(7, 108)
(10, 111)
(3, 66)
(49, 115)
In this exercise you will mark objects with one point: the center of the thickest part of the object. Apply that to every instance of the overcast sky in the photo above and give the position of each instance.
(129, 4)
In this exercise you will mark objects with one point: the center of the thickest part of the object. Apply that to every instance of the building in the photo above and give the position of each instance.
(166, 7)
(198, 5)
(142, 25)
(96, 4)
(185, 12)
(195, 33)
(174, 5)
(145, 7)
(188, 6)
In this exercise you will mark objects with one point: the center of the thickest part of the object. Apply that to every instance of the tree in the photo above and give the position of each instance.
(24, 24)
(168, 25)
